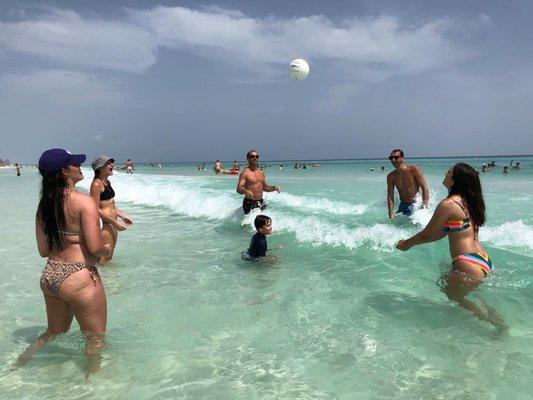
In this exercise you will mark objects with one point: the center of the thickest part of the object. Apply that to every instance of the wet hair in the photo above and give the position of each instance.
(467, 185)
(261, 220)
(50, 211)
(398, 151)
(248, 154)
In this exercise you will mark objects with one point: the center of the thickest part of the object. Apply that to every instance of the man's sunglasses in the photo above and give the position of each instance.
(253, 156)
(394, 157)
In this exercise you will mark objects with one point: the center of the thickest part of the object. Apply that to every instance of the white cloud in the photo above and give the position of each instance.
(66, 88)
(250, 42)
(255, 44)
(98, 137)
(66, 37)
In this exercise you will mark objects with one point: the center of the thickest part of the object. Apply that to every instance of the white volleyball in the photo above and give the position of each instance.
(299, 69)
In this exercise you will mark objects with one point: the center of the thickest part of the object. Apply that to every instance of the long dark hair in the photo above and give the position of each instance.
(50, 211)
(467, 185)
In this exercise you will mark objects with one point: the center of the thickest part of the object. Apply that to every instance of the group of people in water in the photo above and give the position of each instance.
(459, 217)
(77, 231)
(512, 165)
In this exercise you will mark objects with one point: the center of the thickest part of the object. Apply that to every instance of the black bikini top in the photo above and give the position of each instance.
(108, 192)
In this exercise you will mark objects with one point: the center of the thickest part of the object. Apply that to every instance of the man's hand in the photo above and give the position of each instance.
(392, 216)
(277, 188)
(248, 193)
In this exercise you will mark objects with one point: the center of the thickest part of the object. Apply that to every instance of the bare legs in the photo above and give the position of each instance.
(83, 298)
(462, 280)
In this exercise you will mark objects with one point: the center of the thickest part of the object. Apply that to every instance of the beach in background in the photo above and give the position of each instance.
(343, 314)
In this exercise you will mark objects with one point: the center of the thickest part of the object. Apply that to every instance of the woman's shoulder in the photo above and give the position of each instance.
(83, 200)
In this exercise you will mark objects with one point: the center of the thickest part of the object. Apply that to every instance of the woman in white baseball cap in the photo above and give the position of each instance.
(103, 194)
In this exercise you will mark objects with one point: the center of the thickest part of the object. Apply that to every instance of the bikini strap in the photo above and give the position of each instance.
(462, 207)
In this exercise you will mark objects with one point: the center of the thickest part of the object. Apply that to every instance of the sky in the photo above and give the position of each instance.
(199, 81)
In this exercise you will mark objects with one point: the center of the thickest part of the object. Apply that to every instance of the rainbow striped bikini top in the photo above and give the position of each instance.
(456, 225)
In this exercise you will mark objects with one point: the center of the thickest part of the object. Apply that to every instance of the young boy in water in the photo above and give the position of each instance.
(258, 244)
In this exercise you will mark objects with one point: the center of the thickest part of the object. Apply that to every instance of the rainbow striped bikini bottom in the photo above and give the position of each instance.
(480, 260)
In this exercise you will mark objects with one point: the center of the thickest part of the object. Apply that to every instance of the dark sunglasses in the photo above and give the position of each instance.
(394, 157)
(253, 156)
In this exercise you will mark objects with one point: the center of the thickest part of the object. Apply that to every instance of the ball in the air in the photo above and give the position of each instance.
(299, 69)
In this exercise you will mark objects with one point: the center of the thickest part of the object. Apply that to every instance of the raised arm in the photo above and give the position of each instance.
(432, 231)
(419, 176)
(390, 195)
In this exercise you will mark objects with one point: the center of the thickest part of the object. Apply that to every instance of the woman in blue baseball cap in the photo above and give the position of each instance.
(68, 233)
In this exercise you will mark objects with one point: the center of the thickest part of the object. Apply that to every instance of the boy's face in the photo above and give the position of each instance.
(267, 228)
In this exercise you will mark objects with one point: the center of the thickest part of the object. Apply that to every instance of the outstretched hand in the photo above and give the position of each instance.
(278, 189)
(403, 245)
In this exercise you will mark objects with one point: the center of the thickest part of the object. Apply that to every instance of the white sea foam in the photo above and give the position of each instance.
(189, 197)
(179, 194)
(316, 205)
(512, 234)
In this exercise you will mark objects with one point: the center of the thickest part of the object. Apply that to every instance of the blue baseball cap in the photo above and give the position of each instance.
(53, 160)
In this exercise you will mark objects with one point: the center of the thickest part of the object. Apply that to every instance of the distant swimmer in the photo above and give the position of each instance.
(252, 184)
(104, 197)
(17, 168)
(382, 168)
(459, 216)
(505, 169)
(129, 166)
(281, 167)
(217, 167)
(514, 165)
(408, 179)
(235, 166)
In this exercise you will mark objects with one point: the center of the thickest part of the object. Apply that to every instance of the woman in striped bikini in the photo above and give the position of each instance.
(459, 217)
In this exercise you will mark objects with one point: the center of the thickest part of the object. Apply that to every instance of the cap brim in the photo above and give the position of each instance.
(78, 158)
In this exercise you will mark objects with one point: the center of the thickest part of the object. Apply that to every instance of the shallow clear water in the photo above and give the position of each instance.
(341, 315)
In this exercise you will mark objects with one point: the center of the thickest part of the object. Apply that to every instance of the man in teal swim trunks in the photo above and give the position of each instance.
(408, 179)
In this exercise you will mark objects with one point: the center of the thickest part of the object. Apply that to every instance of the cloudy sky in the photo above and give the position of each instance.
(192, 80)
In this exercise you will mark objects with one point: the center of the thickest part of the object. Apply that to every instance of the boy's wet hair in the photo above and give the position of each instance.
(261, 220)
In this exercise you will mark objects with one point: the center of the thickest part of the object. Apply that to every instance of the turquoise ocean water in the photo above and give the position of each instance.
(342, 315)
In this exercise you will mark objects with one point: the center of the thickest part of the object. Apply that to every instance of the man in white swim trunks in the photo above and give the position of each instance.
(129, 166)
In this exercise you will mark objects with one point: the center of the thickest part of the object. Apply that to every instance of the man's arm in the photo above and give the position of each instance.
(419, 176)
(390, 195)
(269, 188)
(240, 185)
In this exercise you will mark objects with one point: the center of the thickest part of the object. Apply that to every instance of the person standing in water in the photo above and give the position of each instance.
(68, 233)
(459, 216)
(408, 179)
(252, 184)
(130, 167)
(103, 195)
(17, 168)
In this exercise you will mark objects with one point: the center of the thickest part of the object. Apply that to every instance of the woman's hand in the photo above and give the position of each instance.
(403, 245)
(118, 226)
(127, 220)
